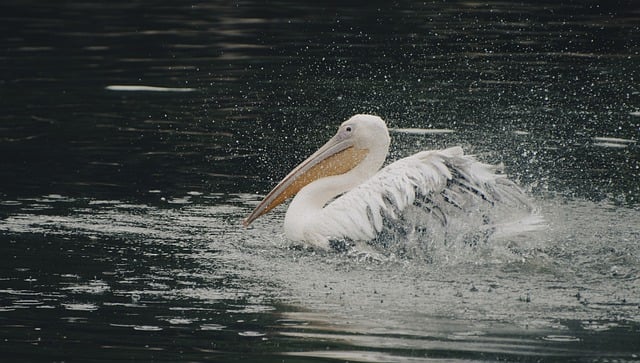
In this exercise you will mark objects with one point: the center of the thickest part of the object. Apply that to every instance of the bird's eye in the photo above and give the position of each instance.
(348, 128)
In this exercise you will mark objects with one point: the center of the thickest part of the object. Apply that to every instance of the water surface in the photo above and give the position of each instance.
(135, 137)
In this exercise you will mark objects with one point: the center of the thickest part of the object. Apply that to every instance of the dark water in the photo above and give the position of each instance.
(120, 207)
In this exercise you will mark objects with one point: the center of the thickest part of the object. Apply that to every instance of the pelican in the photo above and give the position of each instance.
(341, 192)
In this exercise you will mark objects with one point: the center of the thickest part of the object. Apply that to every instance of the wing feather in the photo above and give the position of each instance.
(431, 180)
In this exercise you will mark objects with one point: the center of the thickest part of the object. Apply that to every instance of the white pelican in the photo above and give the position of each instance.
(340, 194)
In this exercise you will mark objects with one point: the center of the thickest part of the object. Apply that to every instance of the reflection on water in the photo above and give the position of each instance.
(192, 282)
(130, 135)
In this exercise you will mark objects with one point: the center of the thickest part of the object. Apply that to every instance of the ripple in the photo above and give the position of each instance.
(147, 328)
(419, 131)
(179, 321)
(598, 326)
(28, 302)
(612, 145)
(612, 142)
(81, 307)
(182, 200)
(252, 309)
(143, 88)
(466, 335)
(45, 307)
(250, 333)
(70, 276)
(212, 327)
(561, 338)
(356, 356)
(292, 322)
(116, 325)
(614, 139)
(92, 287)
(10, 202)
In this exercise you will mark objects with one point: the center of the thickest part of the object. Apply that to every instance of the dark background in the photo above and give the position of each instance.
(272, 81)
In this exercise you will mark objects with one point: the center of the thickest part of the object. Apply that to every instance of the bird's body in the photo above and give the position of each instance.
(340, 193)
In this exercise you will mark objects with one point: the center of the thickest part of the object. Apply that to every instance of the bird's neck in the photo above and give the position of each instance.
(306, 206)
(313, 197)
(308, 203)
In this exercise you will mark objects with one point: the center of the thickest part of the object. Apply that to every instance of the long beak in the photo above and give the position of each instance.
(337, 156)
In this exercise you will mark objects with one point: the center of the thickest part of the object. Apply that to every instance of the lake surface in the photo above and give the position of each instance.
(135, 137)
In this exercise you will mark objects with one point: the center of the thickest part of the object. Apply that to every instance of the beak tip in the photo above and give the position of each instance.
(248, 220)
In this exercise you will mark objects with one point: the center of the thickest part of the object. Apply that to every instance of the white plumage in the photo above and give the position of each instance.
(439, 179)
(359, 204)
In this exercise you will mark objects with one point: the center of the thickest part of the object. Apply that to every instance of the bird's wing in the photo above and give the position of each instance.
(436, 181)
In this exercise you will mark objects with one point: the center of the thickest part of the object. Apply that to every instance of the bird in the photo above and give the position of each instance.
(340, 192)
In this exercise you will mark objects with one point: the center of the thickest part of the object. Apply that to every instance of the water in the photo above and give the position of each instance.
(134, 137)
